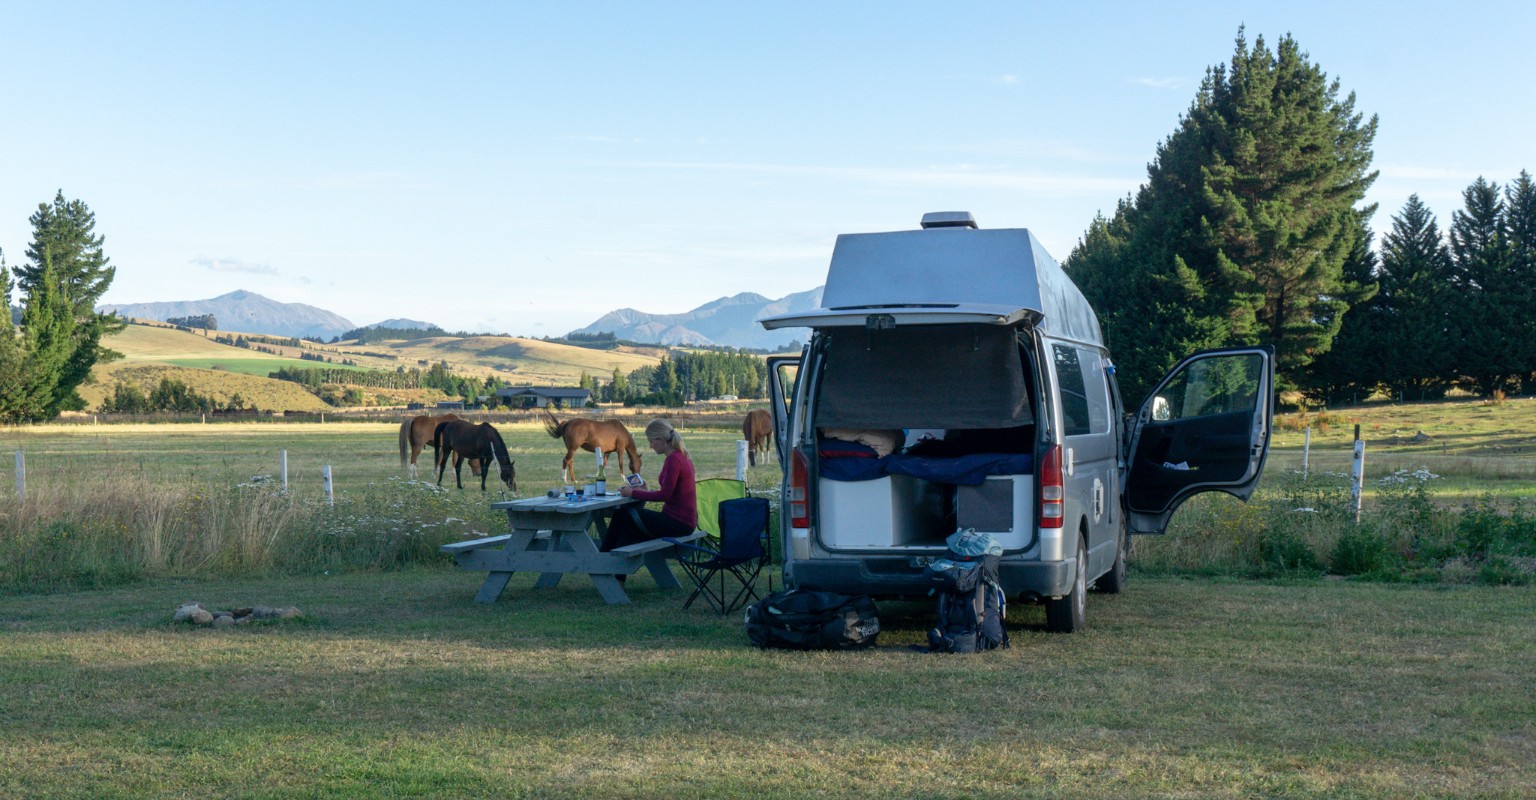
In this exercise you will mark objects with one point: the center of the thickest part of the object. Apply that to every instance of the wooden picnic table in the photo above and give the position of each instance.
(551, 536)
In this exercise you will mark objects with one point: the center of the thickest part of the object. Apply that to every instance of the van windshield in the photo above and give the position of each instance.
(924, 376)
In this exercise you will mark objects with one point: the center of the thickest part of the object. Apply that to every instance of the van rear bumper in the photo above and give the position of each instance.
(895, 577)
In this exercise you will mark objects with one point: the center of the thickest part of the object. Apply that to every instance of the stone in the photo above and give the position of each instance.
(202, 617)
(264, 612)
(291, 612)
(185, 611)
(224, 621)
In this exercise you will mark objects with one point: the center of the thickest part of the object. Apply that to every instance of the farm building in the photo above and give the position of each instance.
(542, 397)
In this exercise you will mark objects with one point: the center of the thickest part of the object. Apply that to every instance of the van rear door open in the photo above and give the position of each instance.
(1205, 428)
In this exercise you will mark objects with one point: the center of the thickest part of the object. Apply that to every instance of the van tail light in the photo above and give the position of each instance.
(1052, 489)
(799, 505)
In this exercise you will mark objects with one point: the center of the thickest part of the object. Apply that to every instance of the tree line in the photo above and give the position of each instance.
(683, 377)
(1251, 230)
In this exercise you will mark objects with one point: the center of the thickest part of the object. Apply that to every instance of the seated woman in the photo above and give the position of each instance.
(679, 513)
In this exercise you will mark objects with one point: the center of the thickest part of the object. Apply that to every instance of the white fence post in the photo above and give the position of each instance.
(741, 459)
(283, 461)
(1306, 450)
(330, 497)
(1357, 473)
(21, 475)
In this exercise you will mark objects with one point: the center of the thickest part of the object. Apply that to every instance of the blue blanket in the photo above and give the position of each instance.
(968, 470)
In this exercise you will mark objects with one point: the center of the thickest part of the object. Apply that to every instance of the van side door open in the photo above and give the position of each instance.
(782, 372)
(1205, 428)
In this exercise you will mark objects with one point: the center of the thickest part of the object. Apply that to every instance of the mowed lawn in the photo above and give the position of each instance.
(399, 685)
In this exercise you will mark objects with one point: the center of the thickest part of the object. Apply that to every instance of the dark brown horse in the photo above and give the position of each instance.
(472, 441)
(591, 435)
(416, 434)
(757, 429)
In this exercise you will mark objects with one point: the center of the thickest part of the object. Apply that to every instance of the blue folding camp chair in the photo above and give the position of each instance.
(726, 577)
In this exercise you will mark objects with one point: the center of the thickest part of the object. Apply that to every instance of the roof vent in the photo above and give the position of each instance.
(949, 219)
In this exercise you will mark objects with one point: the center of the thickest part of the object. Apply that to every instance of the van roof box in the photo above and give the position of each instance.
(949, 272)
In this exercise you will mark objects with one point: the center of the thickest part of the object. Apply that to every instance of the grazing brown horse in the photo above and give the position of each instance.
(591, 435)
(472, 441)
(416, 434)
(757, 429)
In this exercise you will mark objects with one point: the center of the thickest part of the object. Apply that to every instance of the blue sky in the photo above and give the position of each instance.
(526, 167)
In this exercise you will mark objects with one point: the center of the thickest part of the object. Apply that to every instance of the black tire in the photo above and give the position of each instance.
(1113, 582)
(1068, 614)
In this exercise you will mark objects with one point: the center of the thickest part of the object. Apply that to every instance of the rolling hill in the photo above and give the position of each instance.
(152, 351)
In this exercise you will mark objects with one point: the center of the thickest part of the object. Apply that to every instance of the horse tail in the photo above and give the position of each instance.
(405, 440)
(554, 426)
(437, 442)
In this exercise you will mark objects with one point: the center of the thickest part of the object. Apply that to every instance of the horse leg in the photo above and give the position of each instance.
(566, 471)
(458, 469)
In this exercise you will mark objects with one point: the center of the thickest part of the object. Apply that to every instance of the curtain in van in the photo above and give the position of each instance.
(924, 376)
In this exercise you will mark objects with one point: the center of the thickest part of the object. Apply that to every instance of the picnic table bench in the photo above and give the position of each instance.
(551, 536)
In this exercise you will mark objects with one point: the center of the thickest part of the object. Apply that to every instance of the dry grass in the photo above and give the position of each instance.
(399, 685)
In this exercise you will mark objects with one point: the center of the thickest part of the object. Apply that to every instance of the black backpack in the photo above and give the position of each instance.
(806, 620)
(972, 606)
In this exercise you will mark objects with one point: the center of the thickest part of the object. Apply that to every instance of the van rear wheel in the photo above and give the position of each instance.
(1068, 614)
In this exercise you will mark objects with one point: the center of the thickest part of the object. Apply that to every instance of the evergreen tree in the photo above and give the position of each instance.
(64, 242)
(11, 355)
(65, 233)
(1486, 292)
(47, 342)
(619, 388)
(1520, 225)
(1245, 224)
(1351, 369)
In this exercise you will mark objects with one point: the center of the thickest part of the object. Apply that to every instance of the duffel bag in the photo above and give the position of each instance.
(804, 620)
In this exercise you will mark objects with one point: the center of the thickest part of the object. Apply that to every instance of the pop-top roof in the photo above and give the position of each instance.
(947, 275)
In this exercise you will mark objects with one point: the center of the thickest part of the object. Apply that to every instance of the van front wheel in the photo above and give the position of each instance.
(1067, 614)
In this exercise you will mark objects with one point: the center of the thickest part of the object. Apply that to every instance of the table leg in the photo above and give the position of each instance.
(612, 591)
(491, 589)
(659, 562)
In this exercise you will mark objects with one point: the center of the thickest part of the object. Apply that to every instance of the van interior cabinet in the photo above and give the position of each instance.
(904, 511)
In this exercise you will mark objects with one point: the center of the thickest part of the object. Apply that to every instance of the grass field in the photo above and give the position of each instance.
(396, 684)
(399, 685)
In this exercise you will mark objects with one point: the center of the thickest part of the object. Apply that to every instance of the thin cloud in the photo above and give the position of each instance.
(1159, 83)
(962, 176)
(1007, 80)
(233, 265)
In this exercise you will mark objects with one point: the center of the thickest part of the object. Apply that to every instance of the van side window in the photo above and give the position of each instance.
(1074, 394)
(1098, 393)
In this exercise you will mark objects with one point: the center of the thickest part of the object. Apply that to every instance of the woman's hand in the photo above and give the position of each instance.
(626, 490)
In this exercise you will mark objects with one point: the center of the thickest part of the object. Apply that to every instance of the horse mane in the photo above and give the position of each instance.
(494, 439)
(553, 425)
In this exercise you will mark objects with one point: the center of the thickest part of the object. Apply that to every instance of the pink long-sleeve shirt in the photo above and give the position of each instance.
(676, 493)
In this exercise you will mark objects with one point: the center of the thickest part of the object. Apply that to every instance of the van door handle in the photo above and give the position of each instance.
(1069, 461)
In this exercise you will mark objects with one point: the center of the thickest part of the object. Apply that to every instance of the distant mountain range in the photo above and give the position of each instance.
(246, 312)
(729, 321)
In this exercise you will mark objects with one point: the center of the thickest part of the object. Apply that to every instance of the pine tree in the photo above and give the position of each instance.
(1245, 224)
(64, 241)
(1485, 292)
(1520, 225)
(47, 342)
(11, 356)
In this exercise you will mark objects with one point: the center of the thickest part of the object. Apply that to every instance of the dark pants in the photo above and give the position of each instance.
(624, 530)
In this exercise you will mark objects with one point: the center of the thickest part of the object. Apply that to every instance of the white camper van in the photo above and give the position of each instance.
(956, 378)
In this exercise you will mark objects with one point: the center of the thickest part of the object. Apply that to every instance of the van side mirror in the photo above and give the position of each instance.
(1161, 412)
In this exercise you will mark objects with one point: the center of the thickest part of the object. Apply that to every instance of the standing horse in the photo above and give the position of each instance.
(757, 429)
(592, 435)
(472, 441)
(416, 434)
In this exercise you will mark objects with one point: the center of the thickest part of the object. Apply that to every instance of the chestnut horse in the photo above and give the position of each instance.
(472, 441)
(416, 434)
(757, 429)
(591, 435)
